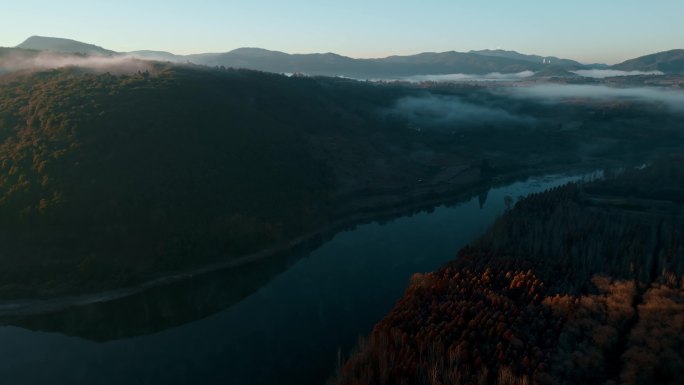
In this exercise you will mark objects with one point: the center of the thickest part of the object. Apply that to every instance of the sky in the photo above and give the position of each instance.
(607, 31)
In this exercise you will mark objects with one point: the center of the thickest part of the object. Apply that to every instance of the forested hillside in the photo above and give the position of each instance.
(104, 177)
(102, 174)
(572, 286)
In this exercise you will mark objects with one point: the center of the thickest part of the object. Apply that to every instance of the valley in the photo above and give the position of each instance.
(253, 216)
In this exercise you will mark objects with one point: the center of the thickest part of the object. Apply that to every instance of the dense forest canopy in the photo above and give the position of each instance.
(581, 284)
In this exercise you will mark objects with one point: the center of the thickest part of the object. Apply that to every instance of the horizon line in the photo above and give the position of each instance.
(362, 57)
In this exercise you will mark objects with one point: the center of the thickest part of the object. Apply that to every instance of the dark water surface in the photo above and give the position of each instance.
(275, 322)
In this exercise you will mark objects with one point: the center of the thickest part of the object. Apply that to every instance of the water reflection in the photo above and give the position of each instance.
(160, 308)
(175, 304)
(195, 298)
(482, 197)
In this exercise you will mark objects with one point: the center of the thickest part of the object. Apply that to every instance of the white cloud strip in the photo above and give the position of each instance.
(602, 74)
(555, 92)
(491, 77)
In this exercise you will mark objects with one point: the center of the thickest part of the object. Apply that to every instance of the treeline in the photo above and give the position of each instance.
(626, 226)
(555, 293)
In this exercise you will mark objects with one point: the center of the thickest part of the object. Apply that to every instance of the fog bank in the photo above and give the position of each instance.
(50, 60)
(494, 76)
(555, 92)
(438, 110)
(602, 74)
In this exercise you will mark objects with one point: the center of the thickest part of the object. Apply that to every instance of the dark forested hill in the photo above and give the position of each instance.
(101, 171)
(669, 62)
(107, 176)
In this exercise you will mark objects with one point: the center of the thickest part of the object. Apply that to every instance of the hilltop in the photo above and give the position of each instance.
(54, 44)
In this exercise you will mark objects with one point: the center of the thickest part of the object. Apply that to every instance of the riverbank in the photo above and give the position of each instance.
(371, 209)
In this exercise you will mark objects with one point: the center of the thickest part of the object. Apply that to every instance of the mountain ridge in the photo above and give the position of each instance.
(476, 62)
(665, 61)
(532, 58)
(326, 64)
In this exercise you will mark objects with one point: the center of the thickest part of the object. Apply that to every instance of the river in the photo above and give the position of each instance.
(283, 321)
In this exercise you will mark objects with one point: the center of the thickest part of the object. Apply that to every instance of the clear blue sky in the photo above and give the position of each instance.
(586, 30)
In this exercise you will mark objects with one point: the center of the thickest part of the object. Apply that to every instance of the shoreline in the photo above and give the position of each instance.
(415, 201)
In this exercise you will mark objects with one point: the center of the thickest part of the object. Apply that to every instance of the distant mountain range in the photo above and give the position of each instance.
(330, 64)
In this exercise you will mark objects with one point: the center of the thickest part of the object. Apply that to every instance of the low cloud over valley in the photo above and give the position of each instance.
(555, 93)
